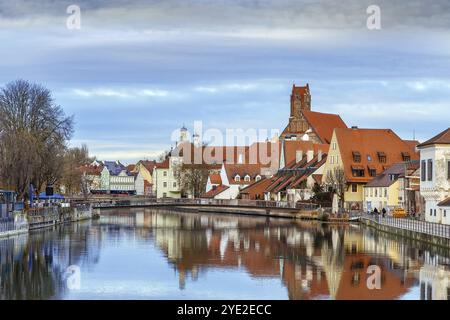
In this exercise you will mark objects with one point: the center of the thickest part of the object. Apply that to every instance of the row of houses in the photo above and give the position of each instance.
(372, 168)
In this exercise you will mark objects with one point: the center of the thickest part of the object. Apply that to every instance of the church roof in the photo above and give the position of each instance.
(323, 124)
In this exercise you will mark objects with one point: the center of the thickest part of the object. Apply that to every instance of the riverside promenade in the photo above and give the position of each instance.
(26, 220)
(435, 233)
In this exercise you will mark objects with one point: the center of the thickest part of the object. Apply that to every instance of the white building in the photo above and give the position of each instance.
(435, 177)
(115, 178)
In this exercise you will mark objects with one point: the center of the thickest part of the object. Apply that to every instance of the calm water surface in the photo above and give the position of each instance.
(160, 254)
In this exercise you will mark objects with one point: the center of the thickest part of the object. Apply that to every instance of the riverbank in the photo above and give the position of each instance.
(38, 218)
(434, 234)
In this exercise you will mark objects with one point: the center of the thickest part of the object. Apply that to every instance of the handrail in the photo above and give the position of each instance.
(426, 227)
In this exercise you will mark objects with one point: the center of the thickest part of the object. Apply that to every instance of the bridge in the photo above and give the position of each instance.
(231, 206)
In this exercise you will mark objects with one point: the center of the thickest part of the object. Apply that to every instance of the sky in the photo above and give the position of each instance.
(137, 70)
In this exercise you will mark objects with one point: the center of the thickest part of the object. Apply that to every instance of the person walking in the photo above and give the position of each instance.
(384, 212)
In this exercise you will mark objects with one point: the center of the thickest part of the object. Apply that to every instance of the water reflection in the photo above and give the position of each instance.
(151, 253)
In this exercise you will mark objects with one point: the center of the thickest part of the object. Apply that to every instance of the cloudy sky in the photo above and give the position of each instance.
(137, 70)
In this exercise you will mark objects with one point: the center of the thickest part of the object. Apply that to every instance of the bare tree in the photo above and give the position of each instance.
(73, 177)
(336, 180)
(193, 178)
(33, 133)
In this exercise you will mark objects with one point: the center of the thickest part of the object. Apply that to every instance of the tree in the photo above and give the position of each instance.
(33, 134)
(73, 177)
(193, 178)
(335, 179)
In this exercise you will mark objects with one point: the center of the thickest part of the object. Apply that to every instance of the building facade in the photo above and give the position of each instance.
(435, 177)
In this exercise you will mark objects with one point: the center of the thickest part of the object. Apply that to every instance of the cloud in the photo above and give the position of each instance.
(119, 93)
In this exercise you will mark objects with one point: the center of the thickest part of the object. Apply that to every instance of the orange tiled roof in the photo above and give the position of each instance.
(292, 146)
(323, 124)
(215, 191)
(163, 165)
(215, 178)
(242, 170)
(370, 143)
(441, 138)
(92, 170)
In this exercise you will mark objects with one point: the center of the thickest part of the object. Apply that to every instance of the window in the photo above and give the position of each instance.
(406, 156)
(385, 192)
(165, 173)
(237, 178)
(358, 171)
(445, 213)
(448, 169)
(372, 172)
(376, 192)
(423, 171)
(247, 178)
(164, 184)
(174, 184)
(258, 177)
(164, 195)
(354, 187)
(435, 212)
(356, 156)
(369, 158)
(334, 146)
(431, 212)
(382, 157)
(430, 170)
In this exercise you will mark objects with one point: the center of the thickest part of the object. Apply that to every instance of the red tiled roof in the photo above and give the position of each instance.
(370, 143)
(214, 191)
(215, 178)
(242, 170)
(323, 124)
(441, 138)
(163, 165)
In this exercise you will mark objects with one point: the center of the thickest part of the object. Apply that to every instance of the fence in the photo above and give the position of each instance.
(430, 228)
(211, 202)
(11, 225)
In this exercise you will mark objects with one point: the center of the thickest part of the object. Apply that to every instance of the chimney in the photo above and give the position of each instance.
(354, 127)
(319, 156)
(309, 155)
(298, 156)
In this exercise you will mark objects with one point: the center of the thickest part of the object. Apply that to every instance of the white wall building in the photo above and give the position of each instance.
(435, 177)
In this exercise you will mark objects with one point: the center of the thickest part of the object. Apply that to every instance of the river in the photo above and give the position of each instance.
(161, 254)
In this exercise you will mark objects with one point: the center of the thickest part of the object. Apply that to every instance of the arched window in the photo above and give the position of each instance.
(258, 177)
(247, 178)
(237, 178)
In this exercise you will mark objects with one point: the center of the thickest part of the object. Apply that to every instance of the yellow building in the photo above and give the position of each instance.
(165, 178)
(144, 180)
(361, 155)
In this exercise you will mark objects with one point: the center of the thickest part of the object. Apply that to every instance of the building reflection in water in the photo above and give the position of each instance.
(311, 260)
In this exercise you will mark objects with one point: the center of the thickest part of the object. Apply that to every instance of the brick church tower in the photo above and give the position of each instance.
(300, 101)
(305, 124)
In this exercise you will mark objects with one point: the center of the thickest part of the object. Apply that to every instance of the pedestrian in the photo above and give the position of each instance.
(384, 212)
(375, 211)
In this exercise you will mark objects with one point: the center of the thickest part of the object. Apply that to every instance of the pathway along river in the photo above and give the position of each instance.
(162, 254)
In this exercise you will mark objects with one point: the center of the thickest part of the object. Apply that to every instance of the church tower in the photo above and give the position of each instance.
(300, 101)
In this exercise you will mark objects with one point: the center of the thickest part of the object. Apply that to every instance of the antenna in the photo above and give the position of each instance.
(414, 134)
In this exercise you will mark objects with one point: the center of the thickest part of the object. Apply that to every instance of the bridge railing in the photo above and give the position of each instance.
(210, 202)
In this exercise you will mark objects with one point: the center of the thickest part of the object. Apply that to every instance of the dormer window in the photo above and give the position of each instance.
(358, 171)
(247, 178)
(258, 177)
(237, 178)
(372, 171)
(356, 156)
(381, 157)
(406, 156)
